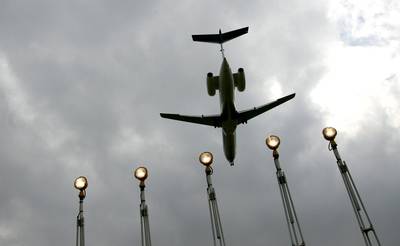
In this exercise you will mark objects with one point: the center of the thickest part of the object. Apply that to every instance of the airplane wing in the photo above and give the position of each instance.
(210, 120)
(245, 115)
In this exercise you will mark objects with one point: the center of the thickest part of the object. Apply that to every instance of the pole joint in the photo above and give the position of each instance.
(209, 170)
(343, 167)
(367, 229)
(275, 154)
(211, 193)
(282, 179)
(333, 144)
(143, 209)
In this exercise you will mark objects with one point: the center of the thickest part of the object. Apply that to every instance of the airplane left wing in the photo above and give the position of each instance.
(210, 120)
(245, 115)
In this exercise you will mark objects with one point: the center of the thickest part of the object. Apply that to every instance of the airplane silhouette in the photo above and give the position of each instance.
(225, 83)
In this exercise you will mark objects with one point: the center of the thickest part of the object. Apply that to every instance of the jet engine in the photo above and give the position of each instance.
(210, 84)
(240, 80)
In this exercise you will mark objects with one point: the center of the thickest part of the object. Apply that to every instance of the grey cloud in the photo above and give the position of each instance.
(102, 72)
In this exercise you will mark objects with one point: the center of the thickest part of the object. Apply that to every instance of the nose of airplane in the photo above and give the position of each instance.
(230, 157)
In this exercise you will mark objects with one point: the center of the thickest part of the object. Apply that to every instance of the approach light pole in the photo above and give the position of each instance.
(296, 236)
(141, 174)
(80, 184)
(363, 219)
(206, 158)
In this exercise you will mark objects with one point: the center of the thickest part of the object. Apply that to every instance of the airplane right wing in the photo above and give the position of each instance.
(245, 115)
(210, 120)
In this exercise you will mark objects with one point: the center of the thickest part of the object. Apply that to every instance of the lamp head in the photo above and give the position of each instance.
(81, 183)
(206, 158)
(141, 173)
(329, 133)
(273, 142)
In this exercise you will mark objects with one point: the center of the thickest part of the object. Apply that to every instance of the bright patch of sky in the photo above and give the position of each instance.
(6, 232)
(15, 96)
(21, 109)
(366, 22)
(362, 78)
(274, 88)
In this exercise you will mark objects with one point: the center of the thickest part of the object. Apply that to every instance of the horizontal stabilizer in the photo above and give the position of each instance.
(244, 116)
(210, 120)
(221, 37)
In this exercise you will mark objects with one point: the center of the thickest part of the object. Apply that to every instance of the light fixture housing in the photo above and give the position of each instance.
(141, 173)
(329, 133)
(206, 158)
(81, 183)
(273, 142)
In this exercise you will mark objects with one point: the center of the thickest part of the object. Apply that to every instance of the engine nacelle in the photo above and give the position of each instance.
(240, 80)
(210, 84)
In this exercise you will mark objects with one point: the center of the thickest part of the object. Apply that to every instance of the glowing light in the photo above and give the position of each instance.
(329, 133)
(141, 173)
(81, 183)
(273, 142)
(206, 158)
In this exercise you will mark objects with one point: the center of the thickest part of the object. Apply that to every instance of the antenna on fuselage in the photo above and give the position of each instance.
(220, 38)
(221, 41)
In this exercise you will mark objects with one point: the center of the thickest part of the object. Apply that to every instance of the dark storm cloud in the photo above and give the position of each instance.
(94, 77)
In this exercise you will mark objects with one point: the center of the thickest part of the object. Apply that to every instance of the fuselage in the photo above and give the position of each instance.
(228, 111)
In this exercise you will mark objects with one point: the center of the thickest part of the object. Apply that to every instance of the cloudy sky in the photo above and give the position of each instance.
(82, 84)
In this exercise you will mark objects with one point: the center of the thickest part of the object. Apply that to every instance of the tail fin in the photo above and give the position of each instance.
(221, 37)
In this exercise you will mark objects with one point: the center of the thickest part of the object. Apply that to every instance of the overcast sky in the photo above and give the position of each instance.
(82, 84)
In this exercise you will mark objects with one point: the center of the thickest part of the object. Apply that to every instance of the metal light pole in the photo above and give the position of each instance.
(296, 236)
(80, 184)
(141, 174)
(206, 159)
(359, 209)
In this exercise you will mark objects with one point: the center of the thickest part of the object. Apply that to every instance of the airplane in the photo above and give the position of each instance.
(225, 83)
